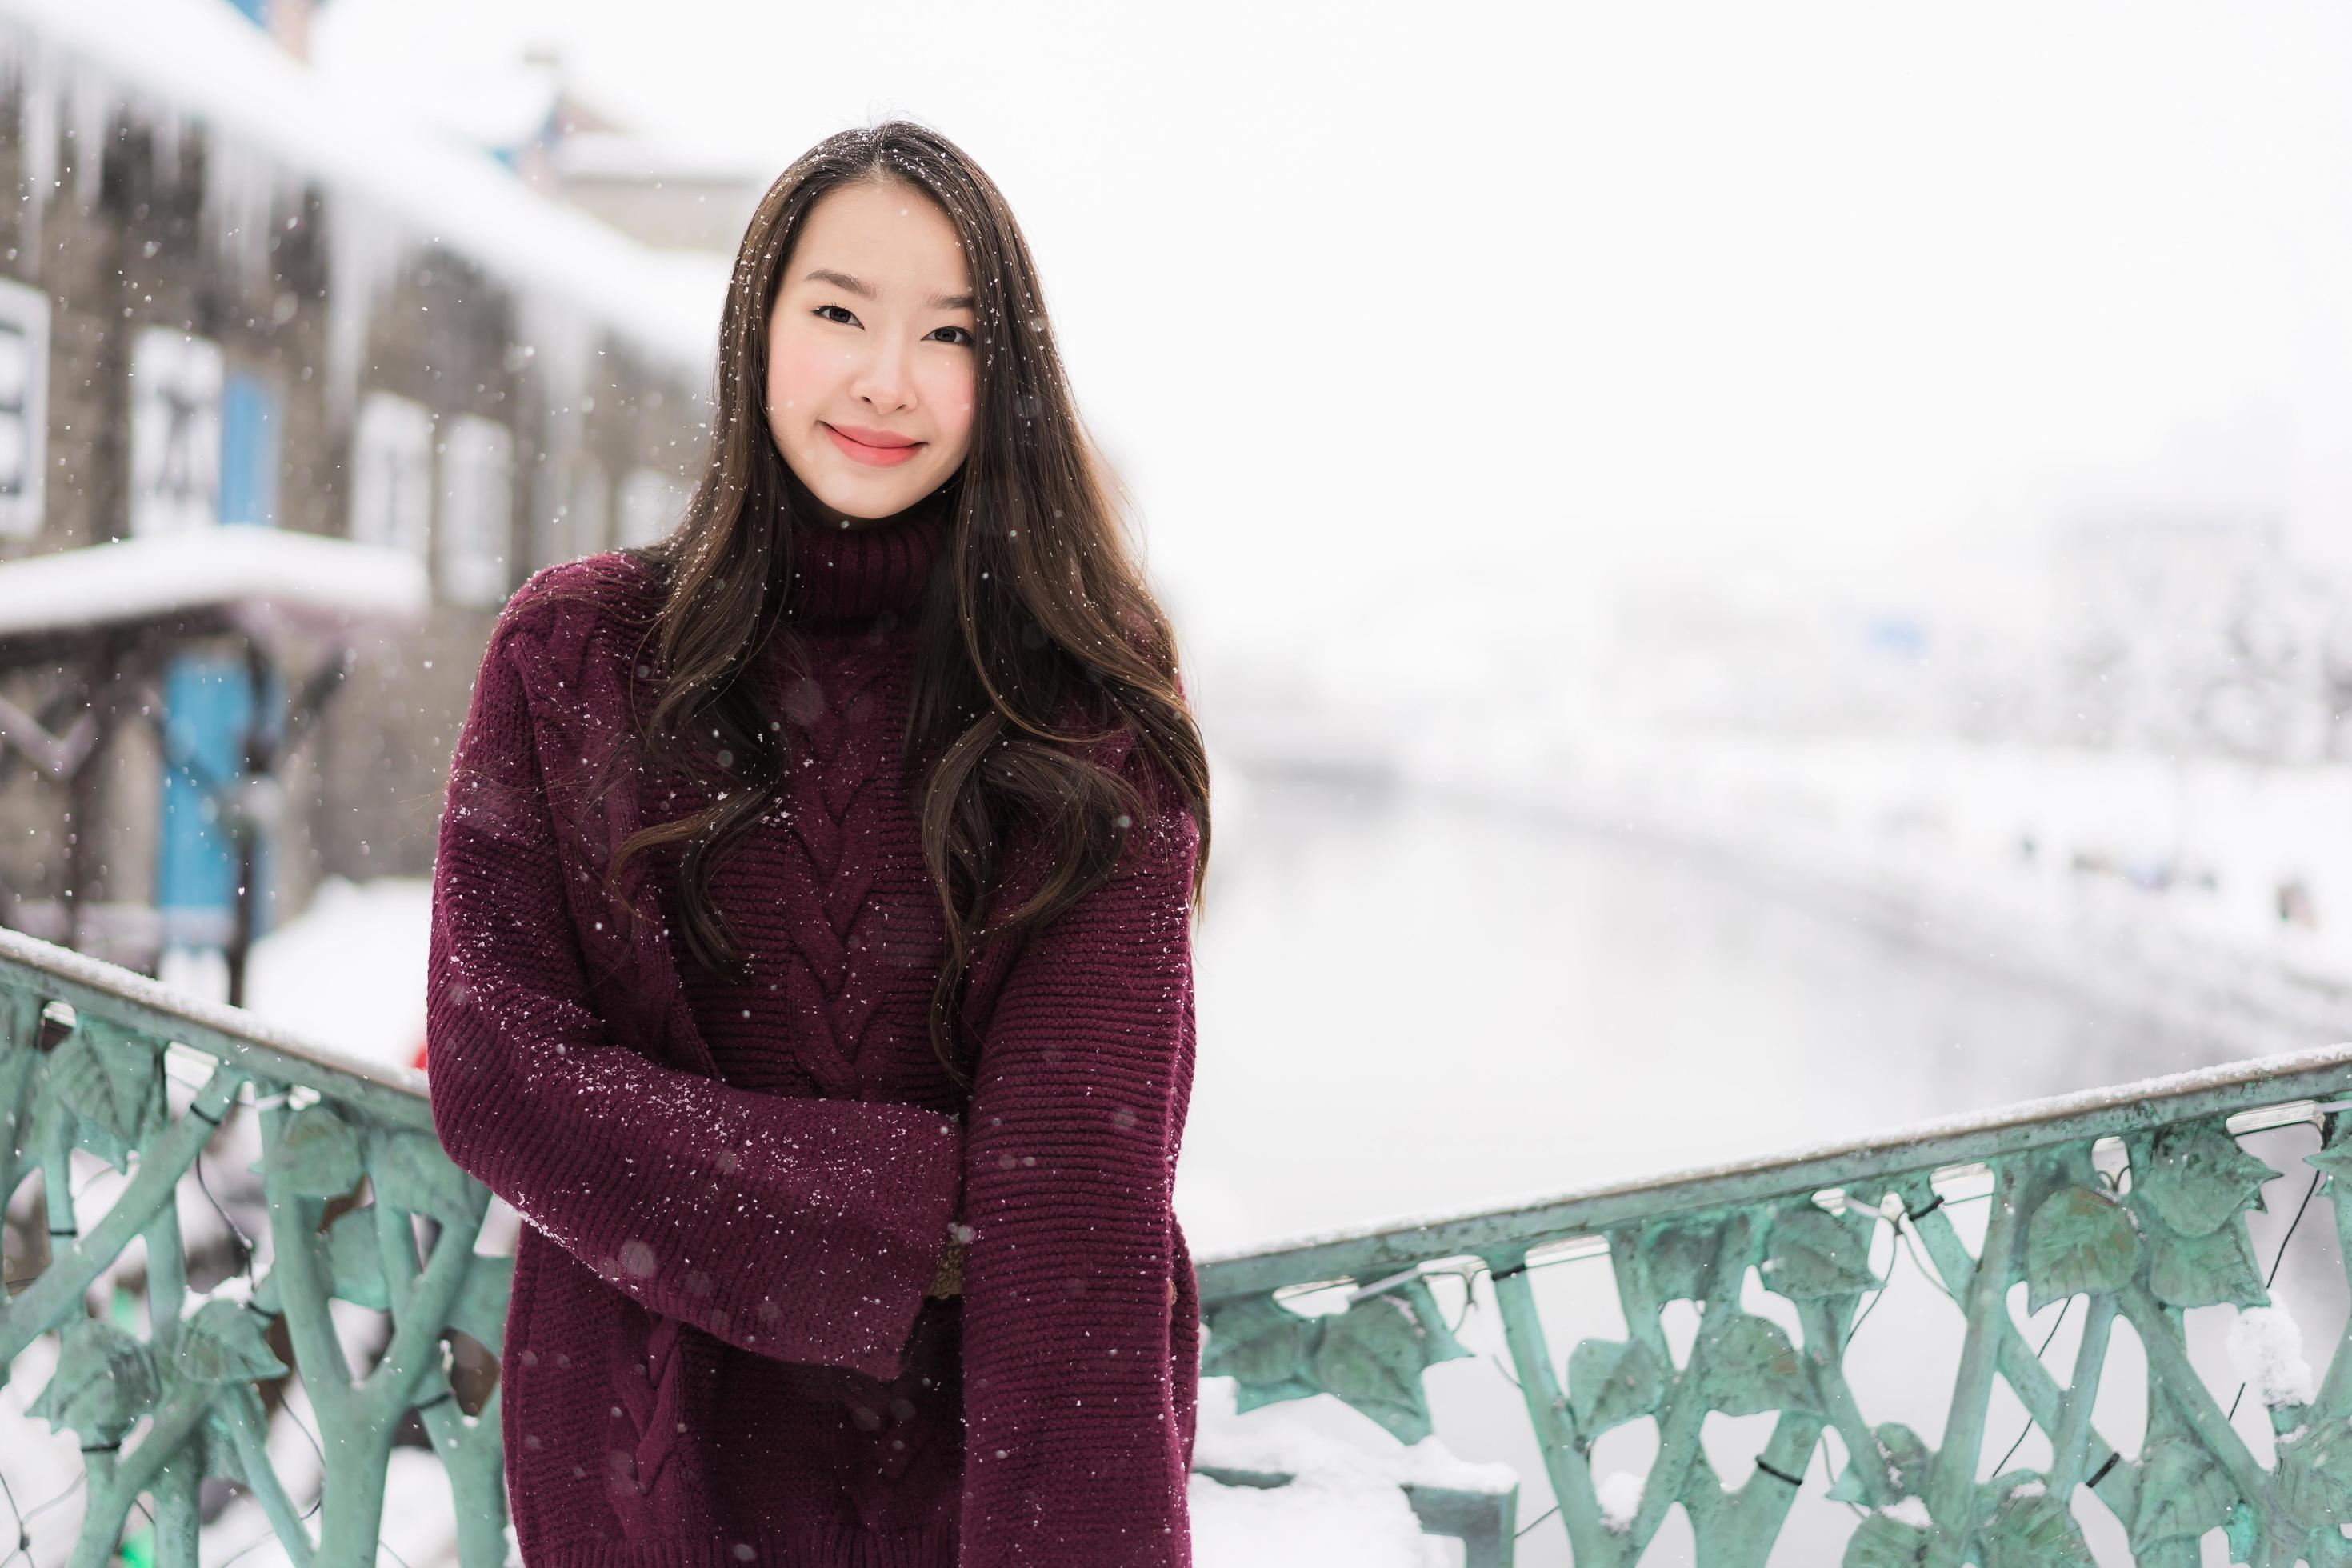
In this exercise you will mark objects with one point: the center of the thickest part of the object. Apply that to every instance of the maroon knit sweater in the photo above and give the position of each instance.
(720, 1350)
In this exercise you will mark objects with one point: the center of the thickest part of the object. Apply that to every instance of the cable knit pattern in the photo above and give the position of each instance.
(719, 1349)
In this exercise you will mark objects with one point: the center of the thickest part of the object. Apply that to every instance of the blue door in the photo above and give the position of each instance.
(208, 705)
(208, 710)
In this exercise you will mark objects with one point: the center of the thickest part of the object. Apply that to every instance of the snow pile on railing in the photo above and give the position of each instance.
(1345, 1504)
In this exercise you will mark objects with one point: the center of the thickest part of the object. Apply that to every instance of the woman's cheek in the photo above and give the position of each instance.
(952, 398)
(795, 373)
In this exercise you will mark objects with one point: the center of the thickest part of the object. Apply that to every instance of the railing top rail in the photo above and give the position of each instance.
(215, 1028)
(1400, 1242)
(2323, 1072)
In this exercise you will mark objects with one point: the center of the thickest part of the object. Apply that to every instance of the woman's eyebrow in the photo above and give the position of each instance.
(865, 290)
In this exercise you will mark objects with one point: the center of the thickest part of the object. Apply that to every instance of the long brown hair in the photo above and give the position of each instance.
(1038, 613)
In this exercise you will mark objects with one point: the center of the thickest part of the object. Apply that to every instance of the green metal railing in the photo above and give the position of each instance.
(89, 1057)
(2132, 1202)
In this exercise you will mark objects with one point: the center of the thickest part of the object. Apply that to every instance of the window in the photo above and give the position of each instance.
(24, 407)
(175, 431)
(392, 474)
(476, 511)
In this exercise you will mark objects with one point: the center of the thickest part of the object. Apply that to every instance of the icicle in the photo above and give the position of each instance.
(558, 339)
(89, 122)
(365, 254)
(244, 189)
(37, 128)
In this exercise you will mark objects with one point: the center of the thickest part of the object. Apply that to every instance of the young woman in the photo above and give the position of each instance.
(811, 960)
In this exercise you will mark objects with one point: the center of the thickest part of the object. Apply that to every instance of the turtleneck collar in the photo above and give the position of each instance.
(854, 574)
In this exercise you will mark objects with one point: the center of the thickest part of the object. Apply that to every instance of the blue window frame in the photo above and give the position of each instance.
(250, 421)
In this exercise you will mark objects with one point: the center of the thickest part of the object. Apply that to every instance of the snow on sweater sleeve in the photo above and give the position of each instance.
(1073, 1452)
(803, 1229)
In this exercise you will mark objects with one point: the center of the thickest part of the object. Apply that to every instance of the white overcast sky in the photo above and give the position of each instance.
(1481, 309)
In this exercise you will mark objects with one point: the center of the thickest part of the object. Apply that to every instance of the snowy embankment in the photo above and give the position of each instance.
(2212, 894)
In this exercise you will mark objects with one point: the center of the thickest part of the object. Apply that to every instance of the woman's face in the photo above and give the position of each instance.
(871, 355)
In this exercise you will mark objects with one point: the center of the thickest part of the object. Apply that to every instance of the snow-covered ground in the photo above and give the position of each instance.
(1346, 1505)
(350, 970)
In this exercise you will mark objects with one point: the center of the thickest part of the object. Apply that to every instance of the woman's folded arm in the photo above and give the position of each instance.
(1075, 1453)
(803, 1229)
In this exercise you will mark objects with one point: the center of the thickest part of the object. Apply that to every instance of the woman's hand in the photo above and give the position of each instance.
(949, 1280)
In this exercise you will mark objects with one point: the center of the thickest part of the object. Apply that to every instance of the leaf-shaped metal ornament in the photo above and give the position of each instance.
(480, 1308)
(104, 1382)
(2206, 1270)
(1611, 1382)
(216, 1447)
(1815, 1254)
(2030, 1529)
(1263, 1346)
(1881, 1540)
(2080, 1242)
(353, 1263)
(1680, 1260)
(410, 1171)
(317, 1156)
(1749, 1367)
(1901, 1451)
(1371, 1357)
(2196, 1177)
(2336, 1156)
(2315, 1474)
(2183, 1493)
(1438, 1343)
(111, 1082)
(221, 1342)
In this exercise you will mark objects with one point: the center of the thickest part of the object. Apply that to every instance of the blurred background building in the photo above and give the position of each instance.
(289, 402)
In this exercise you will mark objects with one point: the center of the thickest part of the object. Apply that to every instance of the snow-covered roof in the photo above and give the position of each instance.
(625, 155)
(388, 178)
(507, 108)
(257, 576)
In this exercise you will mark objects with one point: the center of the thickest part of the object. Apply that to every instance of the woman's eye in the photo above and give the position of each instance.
(847, 319)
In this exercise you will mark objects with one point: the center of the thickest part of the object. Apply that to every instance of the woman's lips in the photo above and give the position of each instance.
(873, 456)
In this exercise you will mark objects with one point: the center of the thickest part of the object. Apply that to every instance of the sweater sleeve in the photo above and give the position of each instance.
(1074, 1451)
(801, 1230)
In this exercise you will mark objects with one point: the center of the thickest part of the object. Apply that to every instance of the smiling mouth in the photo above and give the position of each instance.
(868, 454)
